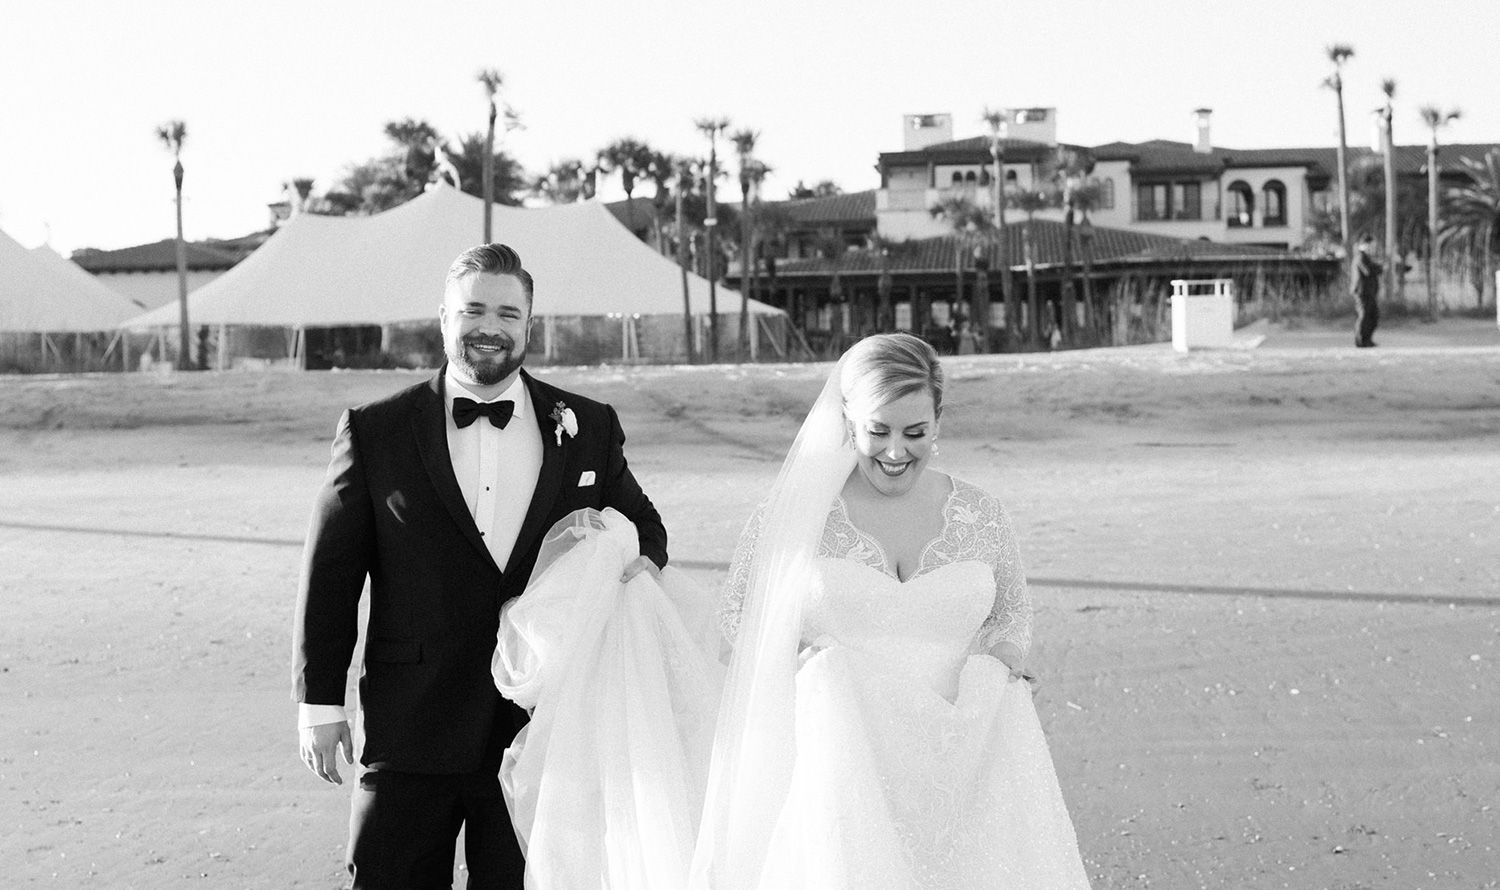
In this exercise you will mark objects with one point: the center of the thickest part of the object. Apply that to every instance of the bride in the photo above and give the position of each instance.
(876, 729)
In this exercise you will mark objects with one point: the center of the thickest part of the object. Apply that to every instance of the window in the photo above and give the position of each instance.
(958, 178)
(1151, 200)
(1169, 200)
(1187, 200)
(1106, 193)
(1241, 205)
(971, 177)
(1273, 207)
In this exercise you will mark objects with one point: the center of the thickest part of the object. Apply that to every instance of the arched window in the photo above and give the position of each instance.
(958, 177)
(1010, 177)
(1107, 193)
(1241, 205)
(1273, 204)
(984, 176)
(971, 177)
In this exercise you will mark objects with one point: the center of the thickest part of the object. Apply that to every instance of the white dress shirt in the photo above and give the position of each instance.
(496, 471)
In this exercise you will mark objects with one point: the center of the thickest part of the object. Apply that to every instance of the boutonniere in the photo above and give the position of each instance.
(567, 421)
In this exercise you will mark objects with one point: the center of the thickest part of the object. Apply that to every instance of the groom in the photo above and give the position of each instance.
(440, 495)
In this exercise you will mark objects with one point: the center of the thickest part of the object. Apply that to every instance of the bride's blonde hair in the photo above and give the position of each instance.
(882, 368)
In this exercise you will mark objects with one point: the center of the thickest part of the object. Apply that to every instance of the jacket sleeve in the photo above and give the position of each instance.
(336, 559)
(624, 494)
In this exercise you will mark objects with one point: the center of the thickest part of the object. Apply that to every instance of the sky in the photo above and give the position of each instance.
(276, 89)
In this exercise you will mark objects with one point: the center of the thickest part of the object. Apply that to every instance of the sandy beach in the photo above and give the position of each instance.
(1267, 585)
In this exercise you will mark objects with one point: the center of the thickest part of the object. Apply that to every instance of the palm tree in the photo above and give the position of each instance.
(632, 159)
(998, 120)
(173, 134)
(1435, 119)
(685, 171)
(1394, 270)
(1471, 216)
(561, 183)
(1070, 175)
(492, 80)
(969, 224)
(1084, 200)
(1029, 201)
(1338, 53)
(712, 127)
(769, 225)
(419, 140)
(662, 168)
(744, 147)
(882, 247)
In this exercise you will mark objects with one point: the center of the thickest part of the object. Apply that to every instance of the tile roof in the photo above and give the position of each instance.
(1110, 245)
(855, 207)
(160, 256)
(1161, 156)
(969, 150)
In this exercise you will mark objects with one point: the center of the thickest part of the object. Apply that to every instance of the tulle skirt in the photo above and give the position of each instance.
(895, 787)
(606, 783)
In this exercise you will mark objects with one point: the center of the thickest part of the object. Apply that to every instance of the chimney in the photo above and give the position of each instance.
(923, 130)
(1202, 144)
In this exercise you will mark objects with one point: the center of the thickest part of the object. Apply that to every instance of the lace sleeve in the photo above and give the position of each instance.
(732, 604)
(1010, 618)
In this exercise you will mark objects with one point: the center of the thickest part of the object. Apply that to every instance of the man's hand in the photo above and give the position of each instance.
(320, 746)
(638, 565)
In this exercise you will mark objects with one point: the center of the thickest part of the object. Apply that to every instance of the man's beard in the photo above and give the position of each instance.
(488, 372)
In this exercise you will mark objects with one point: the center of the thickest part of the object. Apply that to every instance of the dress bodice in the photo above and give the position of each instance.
(968, 590)
(922, 629)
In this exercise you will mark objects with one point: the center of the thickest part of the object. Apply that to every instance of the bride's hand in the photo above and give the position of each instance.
(813, 648)
(638, 565)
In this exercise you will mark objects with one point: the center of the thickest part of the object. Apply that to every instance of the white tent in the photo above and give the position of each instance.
(42, 293)
(388, 268)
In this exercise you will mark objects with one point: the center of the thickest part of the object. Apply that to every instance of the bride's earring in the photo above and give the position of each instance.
(934, 446)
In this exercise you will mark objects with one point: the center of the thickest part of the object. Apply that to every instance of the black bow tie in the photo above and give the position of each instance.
(466, 411)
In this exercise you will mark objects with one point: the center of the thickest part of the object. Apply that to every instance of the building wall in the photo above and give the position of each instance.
(1116, 173)
(153, 289)
(1298, 210)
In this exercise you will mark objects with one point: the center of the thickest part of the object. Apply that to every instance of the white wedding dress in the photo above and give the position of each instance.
(913, 760)
(920, 762)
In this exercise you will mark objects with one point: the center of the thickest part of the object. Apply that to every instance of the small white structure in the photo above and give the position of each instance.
(1202, 314)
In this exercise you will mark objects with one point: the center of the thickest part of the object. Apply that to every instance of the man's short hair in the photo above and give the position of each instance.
(490, 259)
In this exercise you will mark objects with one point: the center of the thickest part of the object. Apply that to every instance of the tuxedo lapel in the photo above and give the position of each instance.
(549, 480)
(430, 424)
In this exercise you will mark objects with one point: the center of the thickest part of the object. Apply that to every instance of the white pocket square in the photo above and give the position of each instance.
(586, 479)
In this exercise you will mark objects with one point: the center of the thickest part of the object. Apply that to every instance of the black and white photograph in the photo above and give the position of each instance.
(764, 446)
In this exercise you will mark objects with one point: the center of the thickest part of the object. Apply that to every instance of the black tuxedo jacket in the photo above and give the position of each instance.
(390, 510)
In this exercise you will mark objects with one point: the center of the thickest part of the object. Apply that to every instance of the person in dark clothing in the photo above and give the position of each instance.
(1364, 283)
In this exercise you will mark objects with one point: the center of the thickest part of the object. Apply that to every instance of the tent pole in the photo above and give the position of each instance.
(754, 337)
(223, 356)
(547, 346)
(300, 363)
(161, 342)
(124, 350)
(386, 338)
(625, 338)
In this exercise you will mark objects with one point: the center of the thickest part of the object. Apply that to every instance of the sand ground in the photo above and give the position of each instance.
(1267, 586)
